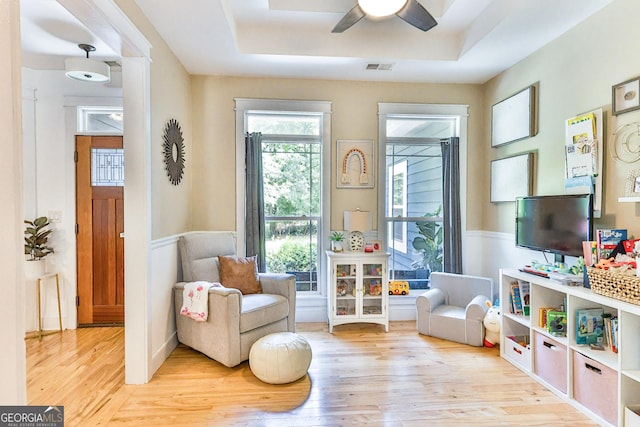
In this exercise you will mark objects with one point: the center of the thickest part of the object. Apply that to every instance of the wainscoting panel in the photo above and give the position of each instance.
(164, 274)
(489, 251)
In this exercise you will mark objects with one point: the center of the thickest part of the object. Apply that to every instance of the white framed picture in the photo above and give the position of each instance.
(511, 178)
(514, 118)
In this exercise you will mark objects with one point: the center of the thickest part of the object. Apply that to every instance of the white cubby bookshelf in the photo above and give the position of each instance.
(616, 376)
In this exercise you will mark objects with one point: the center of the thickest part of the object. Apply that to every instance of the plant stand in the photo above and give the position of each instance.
(40, 333)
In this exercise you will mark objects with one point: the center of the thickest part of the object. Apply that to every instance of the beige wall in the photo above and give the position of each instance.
(575, 74)
(170, 99)
(354, 116)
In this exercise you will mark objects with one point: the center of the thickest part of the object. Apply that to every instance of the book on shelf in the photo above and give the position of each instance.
(557, 323)
(516, 301)
(607, 240)
(606, 320)
(611, 331)
(589, 326)
(524, 295)
(542, 316)
(589, 253)
(614, 335)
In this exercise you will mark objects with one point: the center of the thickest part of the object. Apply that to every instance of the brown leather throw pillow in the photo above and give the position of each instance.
(240, 273)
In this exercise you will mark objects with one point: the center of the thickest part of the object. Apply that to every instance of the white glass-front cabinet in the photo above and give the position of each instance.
(358, 288)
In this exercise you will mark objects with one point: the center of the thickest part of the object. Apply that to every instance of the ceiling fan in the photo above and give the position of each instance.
(408, 10)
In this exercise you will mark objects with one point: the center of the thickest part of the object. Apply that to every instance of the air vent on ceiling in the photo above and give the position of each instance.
(379, 67)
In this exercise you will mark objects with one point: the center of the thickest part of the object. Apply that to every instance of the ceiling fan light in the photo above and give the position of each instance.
(381, 8)
(87, 70)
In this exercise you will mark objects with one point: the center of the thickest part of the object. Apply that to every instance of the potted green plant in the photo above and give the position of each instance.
(336, 241)
(429, 243)
(36, 236)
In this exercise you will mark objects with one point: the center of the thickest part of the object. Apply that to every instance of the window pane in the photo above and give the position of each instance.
(292, 248)
(291, 179)
(291, 159)
(284, 124)
(420, 127)
(100, 120)
(414, 189)
(425, 253)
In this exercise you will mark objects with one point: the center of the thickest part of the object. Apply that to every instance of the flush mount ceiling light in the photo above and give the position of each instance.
(380, 8)
(87, 70)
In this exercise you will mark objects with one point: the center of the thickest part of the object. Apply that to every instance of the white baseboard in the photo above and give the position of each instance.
(163, 352)
(311, 314)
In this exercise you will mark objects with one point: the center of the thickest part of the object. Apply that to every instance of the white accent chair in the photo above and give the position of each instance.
(235, 321)
(454, 307)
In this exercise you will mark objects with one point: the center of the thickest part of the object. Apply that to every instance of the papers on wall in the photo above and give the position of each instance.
(583, 156)
(581, 150)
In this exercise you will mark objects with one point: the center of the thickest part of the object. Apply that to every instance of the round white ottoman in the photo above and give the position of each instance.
(280, 358)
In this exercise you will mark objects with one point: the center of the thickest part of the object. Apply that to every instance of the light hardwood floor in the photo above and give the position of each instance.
(359, 375)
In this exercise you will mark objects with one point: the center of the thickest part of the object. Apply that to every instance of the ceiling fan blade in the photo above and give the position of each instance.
(348, 20)
(415, 14)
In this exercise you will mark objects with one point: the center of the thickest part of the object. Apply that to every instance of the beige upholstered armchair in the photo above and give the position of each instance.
(235, 321)
(454, 307)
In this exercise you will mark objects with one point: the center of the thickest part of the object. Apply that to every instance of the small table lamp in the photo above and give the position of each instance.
(357, 222)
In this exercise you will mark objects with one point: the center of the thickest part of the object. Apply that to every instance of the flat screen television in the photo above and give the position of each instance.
(555, 224)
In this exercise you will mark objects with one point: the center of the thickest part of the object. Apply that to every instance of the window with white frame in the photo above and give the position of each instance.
(411, 220)
(100, 120)
(294, 137)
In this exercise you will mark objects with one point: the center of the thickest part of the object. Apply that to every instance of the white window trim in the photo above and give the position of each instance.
(84, 111)
(460, 111)
(245, 104)
(399, 168)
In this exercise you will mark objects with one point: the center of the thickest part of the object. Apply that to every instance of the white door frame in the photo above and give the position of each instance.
(108, 22)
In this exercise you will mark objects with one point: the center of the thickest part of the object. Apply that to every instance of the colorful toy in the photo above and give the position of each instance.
(341, 289)
(397, 287)
(491, 324)
(375, 288)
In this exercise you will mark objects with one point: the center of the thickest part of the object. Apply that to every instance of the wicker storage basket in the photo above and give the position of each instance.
(618, 286)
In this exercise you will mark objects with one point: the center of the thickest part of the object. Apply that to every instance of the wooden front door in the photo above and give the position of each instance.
(100, 228)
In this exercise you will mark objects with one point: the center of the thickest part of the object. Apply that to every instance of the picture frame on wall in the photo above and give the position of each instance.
(355, 164)
(511, 177)
(633, 184)
(514, 118)
(625, 96)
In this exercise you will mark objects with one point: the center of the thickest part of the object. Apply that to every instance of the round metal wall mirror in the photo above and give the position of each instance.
(173, 144)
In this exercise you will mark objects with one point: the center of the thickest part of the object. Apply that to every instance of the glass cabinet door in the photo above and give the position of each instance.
(346, 290)
(372, 276)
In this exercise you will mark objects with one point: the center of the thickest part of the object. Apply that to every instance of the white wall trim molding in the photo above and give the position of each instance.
(137, 219)
(164, 275)
(245, 104)
(108, 22)
(165, 241)
(13, 371)
(489, 251)
(164, 352)
(412, 108)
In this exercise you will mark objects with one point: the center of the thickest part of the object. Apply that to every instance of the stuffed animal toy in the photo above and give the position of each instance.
(491, 324)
